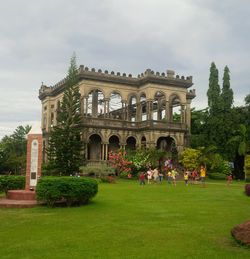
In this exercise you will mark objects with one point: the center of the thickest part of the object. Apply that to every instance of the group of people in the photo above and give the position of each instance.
(156, 176)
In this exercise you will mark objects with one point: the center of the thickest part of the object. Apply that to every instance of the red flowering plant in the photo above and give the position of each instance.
(119, 161)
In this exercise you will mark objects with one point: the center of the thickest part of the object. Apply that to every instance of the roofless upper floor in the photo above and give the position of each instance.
(148, 77)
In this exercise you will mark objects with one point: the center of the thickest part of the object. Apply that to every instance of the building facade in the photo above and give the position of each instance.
(122, 111)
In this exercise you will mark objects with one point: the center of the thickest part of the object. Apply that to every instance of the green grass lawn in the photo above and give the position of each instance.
(126, 220)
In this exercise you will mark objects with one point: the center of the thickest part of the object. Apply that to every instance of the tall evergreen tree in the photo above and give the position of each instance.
(65, 145)
(213, 93)
(227, 92)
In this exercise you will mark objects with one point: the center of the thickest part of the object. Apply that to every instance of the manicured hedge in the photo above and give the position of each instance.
(11, 182)
(69, 190)
(217, 176)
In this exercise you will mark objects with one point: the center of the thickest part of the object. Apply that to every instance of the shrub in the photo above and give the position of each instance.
(70, 190)
(190, 158)
(217, 176)
(11, 182)
(247, 168)
(118, 160)
(123, 175)
(218, 165)
(97, 171)
(107, 179)
(247, 189)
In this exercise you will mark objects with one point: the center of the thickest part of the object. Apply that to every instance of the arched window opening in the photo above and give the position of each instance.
(132, 108)
(143, 107)
(95, 104)
(159, 106)
(114, 143)
(175, 109)
(115, 106)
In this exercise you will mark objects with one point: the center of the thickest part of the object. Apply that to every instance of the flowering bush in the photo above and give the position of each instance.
(140, 160)
(118, 161)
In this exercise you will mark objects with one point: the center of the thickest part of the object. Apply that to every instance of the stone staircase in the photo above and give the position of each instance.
(19, 199)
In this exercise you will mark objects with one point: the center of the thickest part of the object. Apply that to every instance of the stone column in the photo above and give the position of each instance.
(149, 109)
(55, 118)
(86, 151)
(123, 110)
(159, 110)
(138, 112)
(102, 151)
(170, 112)
(167, 110)
(106, 108)
(82, 105)
(86, 106)
(94, 103)
(188, 115)
(183, 113)
(123, 146)
(127, 112)
(106, 151)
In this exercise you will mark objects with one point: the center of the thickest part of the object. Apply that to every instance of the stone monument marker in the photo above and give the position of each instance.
(34, 157)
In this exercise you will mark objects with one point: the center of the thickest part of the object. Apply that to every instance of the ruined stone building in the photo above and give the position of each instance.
(122, 111)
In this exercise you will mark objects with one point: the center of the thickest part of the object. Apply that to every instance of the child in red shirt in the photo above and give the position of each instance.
(142, 178)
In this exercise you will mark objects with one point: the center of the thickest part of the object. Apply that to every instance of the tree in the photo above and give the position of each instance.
(198, 124)
(239, 140)
(65, 144)
(247, 100)
(219, 125)
(213, 93)
(247, 108)
(227, 92)
(190, 158)
(13, 151)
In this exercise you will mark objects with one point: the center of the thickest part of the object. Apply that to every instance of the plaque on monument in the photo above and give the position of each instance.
(33, 162)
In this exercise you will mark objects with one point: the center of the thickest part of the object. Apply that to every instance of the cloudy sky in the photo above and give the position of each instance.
(37, 39)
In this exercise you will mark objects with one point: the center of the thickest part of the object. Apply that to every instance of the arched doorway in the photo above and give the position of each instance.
(167, 144)
(175, 109)
(114, 143)
(94, 147)
(131, 143)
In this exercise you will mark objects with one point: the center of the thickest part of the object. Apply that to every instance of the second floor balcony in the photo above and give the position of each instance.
(132, 125)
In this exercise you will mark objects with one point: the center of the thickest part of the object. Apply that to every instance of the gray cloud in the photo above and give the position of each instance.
(38, 38)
